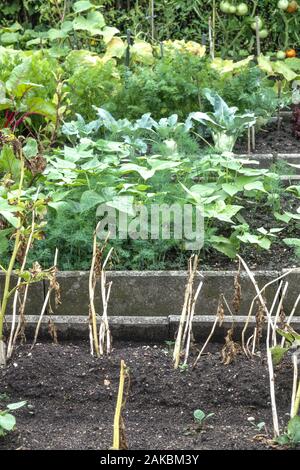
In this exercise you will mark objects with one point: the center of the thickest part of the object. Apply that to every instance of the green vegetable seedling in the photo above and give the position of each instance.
(200, 418)
(7, 420)
(291, 437)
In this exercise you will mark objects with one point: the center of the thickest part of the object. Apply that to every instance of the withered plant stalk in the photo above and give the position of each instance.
(8, 273)
(18, 298)
(183, 338)
(119, 438)
(104, 330)
(219, 319)
(269, 354)
(51, 287)
(288, 322)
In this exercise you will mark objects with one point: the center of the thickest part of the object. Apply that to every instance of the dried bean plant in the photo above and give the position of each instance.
(99, 341)
(184, 334)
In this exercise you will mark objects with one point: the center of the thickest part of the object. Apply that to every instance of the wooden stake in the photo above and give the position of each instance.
(249, 140)
(258, 49)
(253, 138)
(210, 38)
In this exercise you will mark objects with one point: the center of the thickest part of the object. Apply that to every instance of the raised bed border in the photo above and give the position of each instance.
(147, 305)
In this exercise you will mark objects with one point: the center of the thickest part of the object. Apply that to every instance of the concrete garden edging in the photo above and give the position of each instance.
(156, 293)
(147, 305)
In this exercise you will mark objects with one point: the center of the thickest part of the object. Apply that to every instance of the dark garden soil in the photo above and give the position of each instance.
(270, 140)
(71, 399)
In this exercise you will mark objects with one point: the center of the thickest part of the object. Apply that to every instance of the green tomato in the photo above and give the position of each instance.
(260, 24)
(280, 55)
(242, 9)
(232, 9)
(225, 7)
(263, 34)
(283, 4)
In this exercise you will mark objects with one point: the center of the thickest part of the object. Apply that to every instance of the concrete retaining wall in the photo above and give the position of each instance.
(157, 293)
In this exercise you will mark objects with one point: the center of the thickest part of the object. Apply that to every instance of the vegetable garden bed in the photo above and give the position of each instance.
(72, 399)
(270, 139)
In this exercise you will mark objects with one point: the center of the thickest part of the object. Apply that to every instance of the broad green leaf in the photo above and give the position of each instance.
(255, 186)
(283, 69)
(9, 38)
(265, 64)
(108, 33)
(40, 106)
(55, 34)
(31, 148)
(7, 421)
(285, 217)
(14, 221)
(294, 242)
(94, 23)
(231, 188)
(123, 204)
(83, 5)
(144, 172)
(141, 51)
(114, 48)
(90, 199)
(278, 353)
(16, 406)
(294, 429)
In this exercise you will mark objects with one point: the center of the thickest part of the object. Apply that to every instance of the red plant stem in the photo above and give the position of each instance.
(9, 116)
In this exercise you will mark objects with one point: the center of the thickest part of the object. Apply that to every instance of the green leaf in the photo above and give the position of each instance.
(294, 429)
(294, 242)
(278, 353)
(90, 199)
(14, 221)
(9, 38)
(132, 167)
(123, 204)
(283, 69)
(7, 421)
(199, 415)
(16, 406)
(4, 240)
(255, 186)
(285, 217)
(83, 5)
(231, 188)
(108, 33)
(54, 34)
(141, 51)
(114, 48)
(94, 23)
(31, 148)
(40, 106)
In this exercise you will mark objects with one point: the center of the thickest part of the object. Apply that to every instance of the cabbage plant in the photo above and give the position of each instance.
(224, 122)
